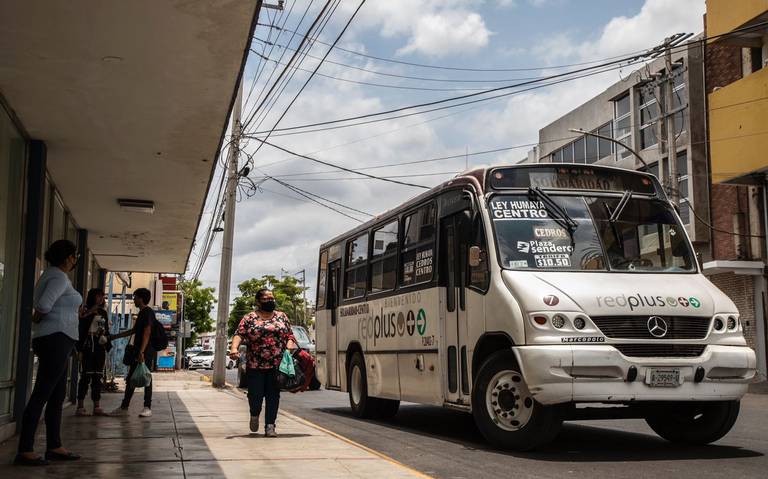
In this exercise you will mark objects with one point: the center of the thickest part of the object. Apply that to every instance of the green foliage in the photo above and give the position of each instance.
(288, 296)
(198, 304)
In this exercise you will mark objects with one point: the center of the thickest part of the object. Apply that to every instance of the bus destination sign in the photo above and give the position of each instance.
(571, 178)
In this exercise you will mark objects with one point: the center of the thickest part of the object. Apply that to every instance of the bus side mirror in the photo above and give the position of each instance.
(475, 256)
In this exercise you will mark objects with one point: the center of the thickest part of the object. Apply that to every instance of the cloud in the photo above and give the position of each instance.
(430, 27)
(446, 33)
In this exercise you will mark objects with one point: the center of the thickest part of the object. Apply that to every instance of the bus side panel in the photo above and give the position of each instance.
(382, 374)
(421, 378)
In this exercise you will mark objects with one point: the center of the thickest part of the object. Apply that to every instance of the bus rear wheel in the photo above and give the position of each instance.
(694, 422)
(505, 412)
(364, 406)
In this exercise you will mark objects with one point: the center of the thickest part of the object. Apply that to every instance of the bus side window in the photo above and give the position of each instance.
(417, 257)
(479, 276)
(356, 275)
(322, 280)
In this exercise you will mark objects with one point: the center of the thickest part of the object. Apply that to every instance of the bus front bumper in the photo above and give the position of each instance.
(590, 373)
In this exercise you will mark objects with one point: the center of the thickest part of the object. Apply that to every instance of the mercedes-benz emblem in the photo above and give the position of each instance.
(657, 327)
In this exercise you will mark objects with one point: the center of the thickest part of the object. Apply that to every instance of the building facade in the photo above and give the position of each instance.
(92, 120)
(737, 114)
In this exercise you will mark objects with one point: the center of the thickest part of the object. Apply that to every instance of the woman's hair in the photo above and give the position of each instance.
(261, 293)
(90, 300)
(59, 251)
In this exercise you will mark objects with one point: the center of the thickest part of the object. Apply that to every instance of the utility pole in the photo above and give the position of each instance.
(670, 123)
(225, 276)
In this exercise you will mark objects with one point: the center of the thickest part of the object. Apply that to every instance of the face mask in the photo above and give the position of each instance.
(268, 306)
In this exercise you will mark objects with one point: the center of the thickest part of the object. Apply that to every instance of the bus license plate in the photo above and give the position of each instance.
(664, 378)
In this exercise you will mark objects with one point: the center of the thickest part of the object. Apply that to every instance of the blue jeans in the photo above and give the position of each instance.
(262, 385)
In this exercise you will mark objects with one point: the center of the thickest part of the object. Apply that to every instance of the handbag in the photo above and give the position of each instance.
(141, 377)
(286, 382)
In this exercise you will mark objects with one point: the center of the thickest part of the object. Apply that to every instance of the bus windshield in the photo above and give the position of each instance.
(601, 234)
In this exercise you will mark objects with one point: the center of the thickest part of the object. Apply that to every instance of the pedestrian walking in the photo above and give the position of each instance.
(93, 346)
(54, 333)
(267, 333)
(139, 350)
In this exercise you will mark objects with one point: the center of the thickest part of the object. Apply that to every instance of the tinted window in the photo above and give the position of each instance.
(357, 250)
(419, 226)
(384, 258)
(385, 240)
(418, 246)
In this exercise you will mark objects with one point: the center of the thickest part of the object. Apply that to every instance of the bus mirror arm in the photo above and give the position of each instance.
(475, 256)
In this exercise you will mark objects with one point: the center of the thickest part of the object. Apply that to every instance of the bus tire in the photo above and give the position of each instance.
(362, 405)
(386, 408)
(696, 423)
(504, 410)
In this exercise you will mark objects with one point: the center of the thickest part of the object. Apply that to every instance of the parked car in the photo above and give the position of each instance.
(188, 353)
(202, 360)
(302, 337)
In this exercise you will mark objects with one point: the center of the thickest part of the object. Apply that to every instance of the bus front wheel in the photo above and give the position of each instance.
(505, 411)
(364, 406)
(694, 422)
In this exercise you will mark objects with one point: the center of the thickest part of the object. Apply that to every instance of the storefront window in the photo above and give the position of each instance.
(12, 159)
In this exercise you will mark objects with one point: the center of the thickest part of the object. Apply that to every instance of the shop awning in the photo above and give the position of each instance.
(132, 100)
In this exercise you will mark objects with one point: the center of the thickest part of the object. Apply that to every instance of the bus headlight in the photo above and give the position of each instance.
(558, 321)
(579, 323)
(719, 324)
(732, 323)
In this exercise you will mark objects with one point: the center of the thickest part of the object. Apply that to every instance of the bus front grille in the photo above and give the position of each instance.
(636, 327)
(663, 350)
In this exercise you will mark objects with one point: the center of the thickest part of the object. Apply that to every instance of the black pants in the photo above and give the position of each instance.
(262, 385)
(92, 369)
(52, 352)
(149, 358)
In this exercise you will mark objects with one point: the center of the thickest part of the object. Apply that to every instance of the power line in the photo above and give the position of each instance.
(293, 58)
(349, 170)
(287, 108)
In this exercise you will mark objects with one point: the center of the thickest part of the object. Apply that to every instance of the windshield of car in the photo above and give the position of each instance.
(644, 237)
(301, 336)
(204, 353)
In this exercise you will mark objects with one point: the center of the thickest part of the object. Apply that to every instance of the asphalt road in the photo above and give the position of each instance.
(445, 444)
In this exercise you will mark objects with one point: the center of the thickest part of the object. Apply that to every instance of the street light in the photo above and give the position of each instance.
(584, 132)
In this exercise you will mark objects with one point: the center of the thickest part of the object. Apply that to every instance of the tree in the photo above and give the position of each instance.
(288, 296)
(198, 304)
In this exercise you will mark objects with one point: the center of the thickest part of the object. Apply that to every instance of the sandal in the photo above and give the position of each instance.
(61, 456)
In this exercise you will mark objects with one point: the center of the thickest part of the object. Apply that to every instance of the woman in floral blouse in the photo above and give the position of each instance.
(267, 333)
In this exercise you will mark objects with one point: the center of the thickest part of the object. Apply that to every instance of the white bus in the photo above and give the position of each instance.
(528, 295)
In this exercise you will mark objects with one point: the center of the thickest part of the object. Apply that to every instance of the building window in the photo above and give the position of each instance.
(605, 147)
(384, 259)
(622, 125)
(579, 154)
(649, 116)
(683, 187)
(357, 266)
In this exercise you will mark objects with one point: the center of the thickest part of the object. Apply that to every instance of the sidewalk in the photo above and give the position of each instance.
(197, 431)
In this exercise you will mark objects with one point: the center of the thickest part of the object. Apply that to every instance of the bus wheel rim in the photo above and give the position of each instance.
(508, 400)
(357, 385)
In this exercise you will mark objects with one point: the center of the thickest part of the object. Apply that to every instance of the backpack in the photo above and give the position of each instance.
(157, 337)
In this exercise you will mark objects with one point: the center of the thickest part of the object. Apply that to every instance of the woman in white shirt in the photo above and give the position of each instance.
(54, 333)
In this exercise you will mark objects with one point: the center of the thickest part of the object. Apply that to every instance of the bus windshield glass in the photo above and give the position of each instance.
(643, 236)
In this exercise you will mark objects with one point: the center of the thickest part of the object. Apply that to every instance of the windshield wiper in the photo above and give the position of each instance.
(620, 207)
(558, 213)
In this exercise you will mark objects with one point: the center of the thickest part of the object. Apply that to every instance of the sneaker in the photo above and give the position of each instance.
(146, 412)
(81, 412)
(99, 412)
(270, 430)
(254, 423)
(119, 412)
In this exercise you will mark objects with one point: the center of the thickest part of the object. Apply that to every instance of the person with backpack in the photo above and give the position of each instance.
(141, 350)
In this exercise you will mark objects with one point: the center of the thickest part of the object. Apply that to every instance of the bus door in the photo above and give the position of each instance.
(332, 335)
(454, 231)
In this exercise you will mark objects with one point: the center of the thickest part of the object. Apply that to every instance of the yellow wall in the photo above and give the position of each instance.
(738, 127)
(726, 15)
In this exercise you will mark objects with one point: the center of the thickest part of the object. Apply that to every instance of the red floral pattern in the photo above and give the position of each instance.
(266, 338)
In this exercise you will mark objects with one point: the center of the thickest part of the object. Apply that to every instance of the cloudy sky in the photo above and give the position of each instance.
(278, 229)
